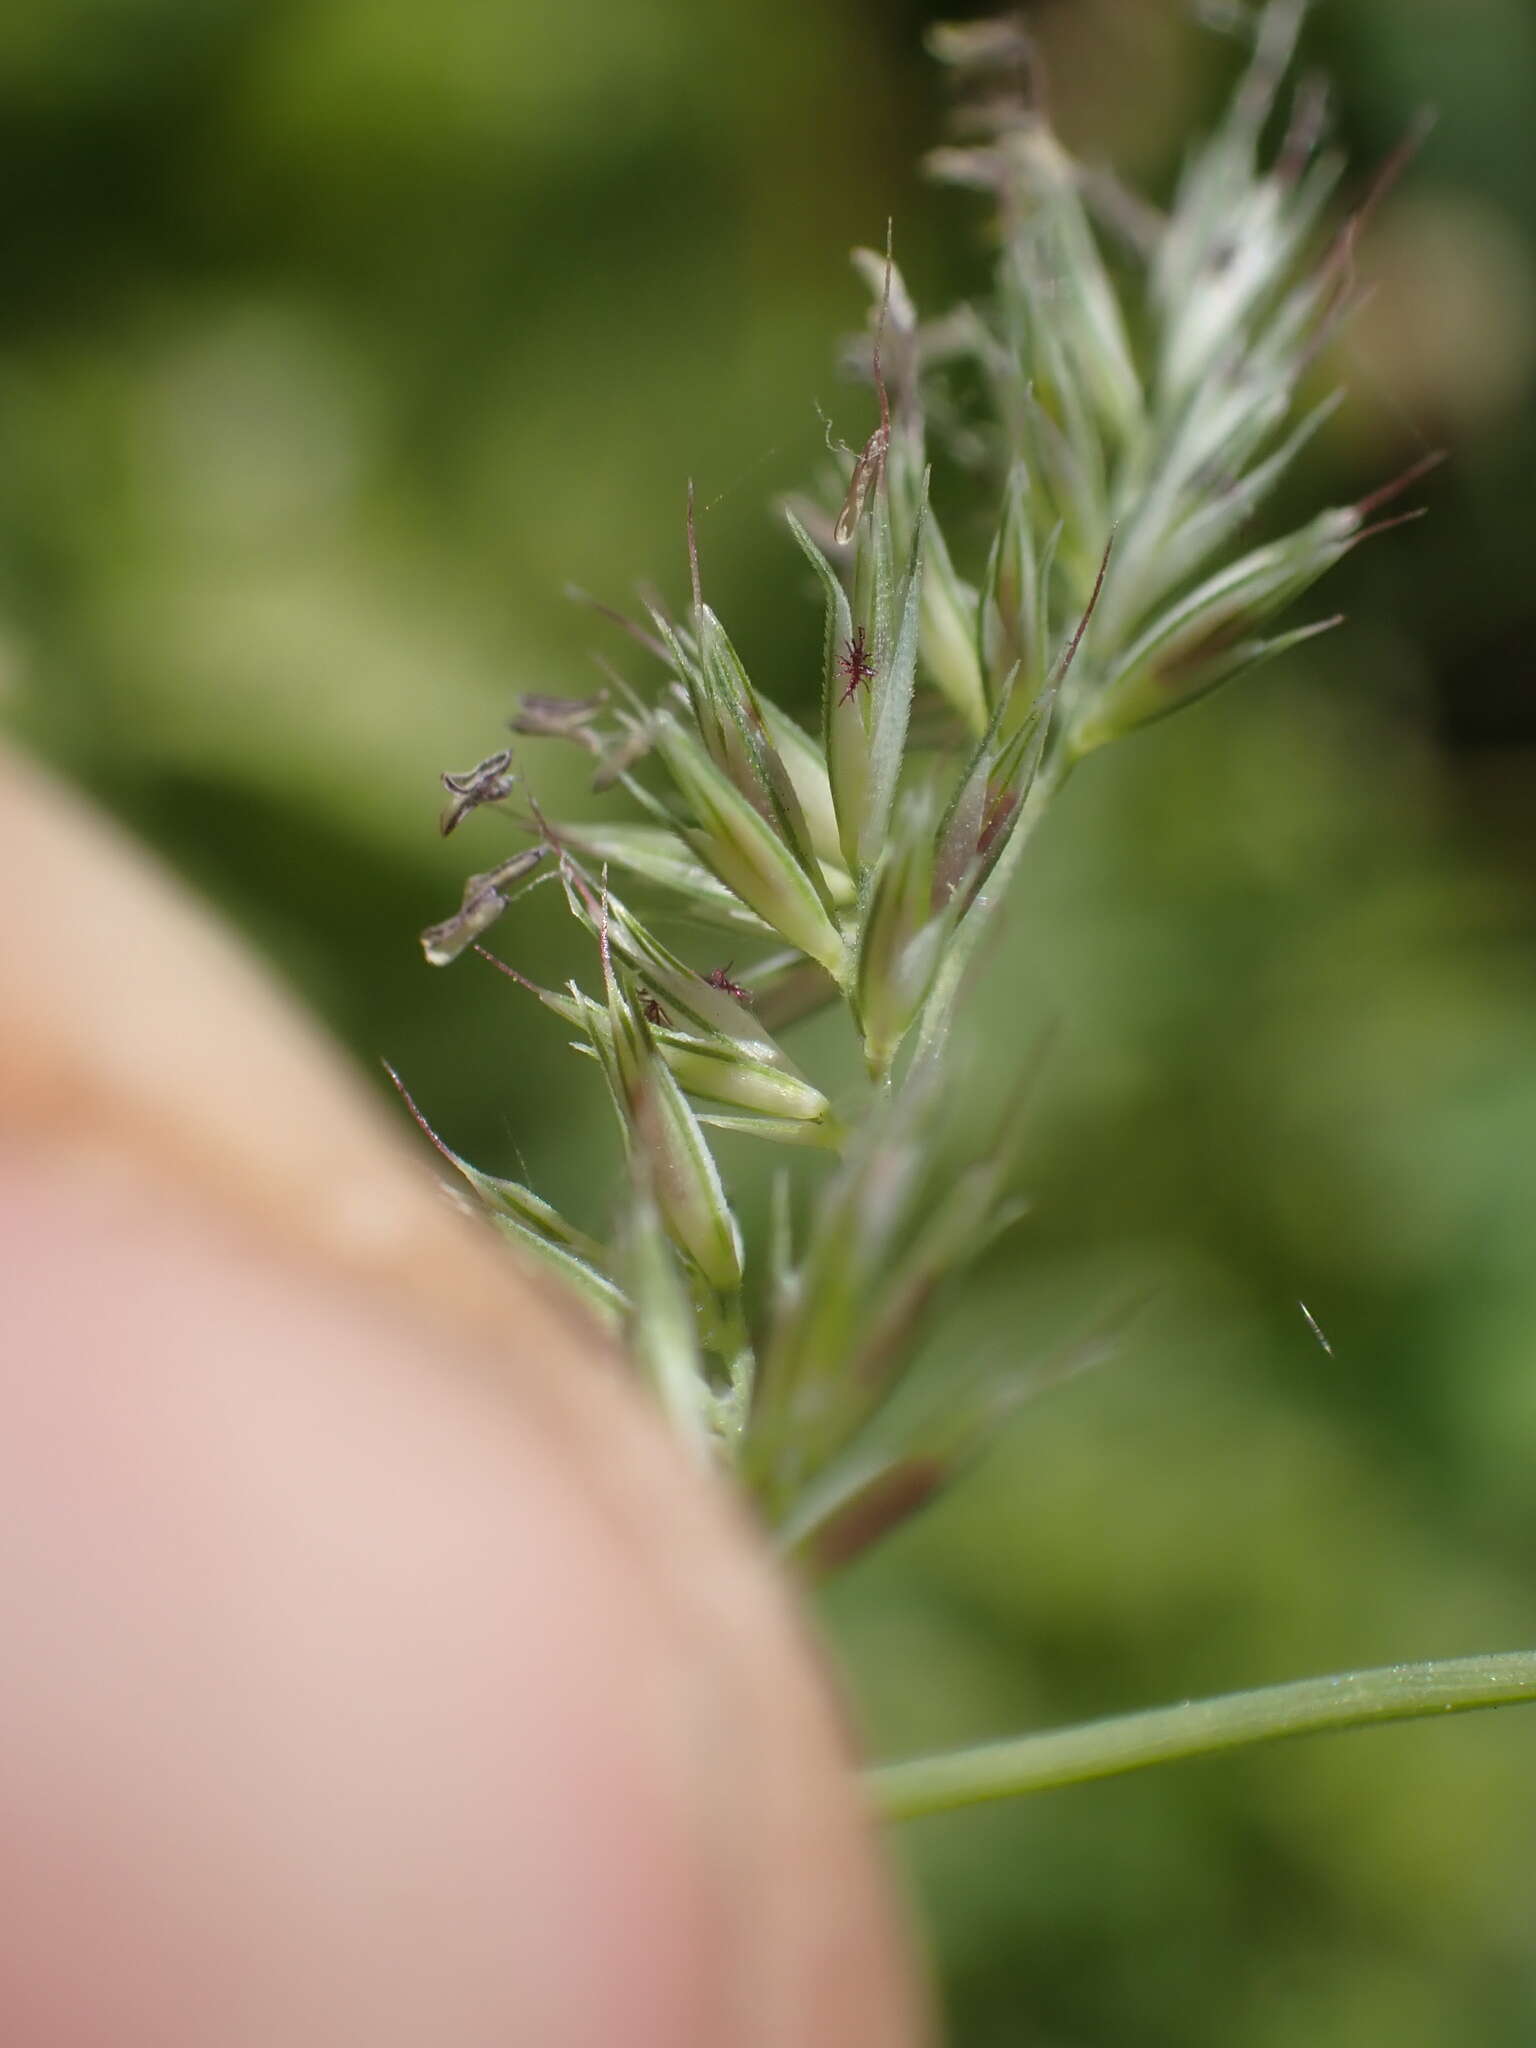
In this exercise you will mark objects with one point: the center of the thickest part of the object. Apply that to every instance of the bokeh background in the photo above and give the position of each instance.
(337, 336)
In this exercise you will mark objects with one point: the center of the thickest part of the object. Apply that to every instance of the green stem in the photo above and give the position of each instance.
(1129, 1742)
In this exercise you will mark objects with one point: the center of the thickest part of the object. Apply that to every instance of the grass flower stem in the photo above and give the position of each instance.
(1129, 1742)
(1118, 430)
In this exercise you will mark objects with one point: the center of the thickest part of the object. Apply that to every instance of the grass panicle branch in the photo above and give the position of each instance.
(861, 865)
(1134, 433)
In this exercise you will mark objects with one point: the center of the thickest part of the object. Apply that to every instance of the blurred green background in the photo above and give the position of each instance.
(338, 335)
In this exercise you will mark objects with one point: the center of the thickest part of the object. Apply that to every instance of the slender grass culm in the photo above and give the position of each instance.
(1133, 437)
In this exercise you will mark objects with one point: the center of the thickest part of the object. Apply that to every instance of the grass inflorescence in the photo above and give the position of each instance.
(1133, 432)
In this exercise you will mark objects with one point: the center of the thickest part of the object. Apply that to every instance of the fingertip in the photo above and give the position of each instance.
(345, 1700)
